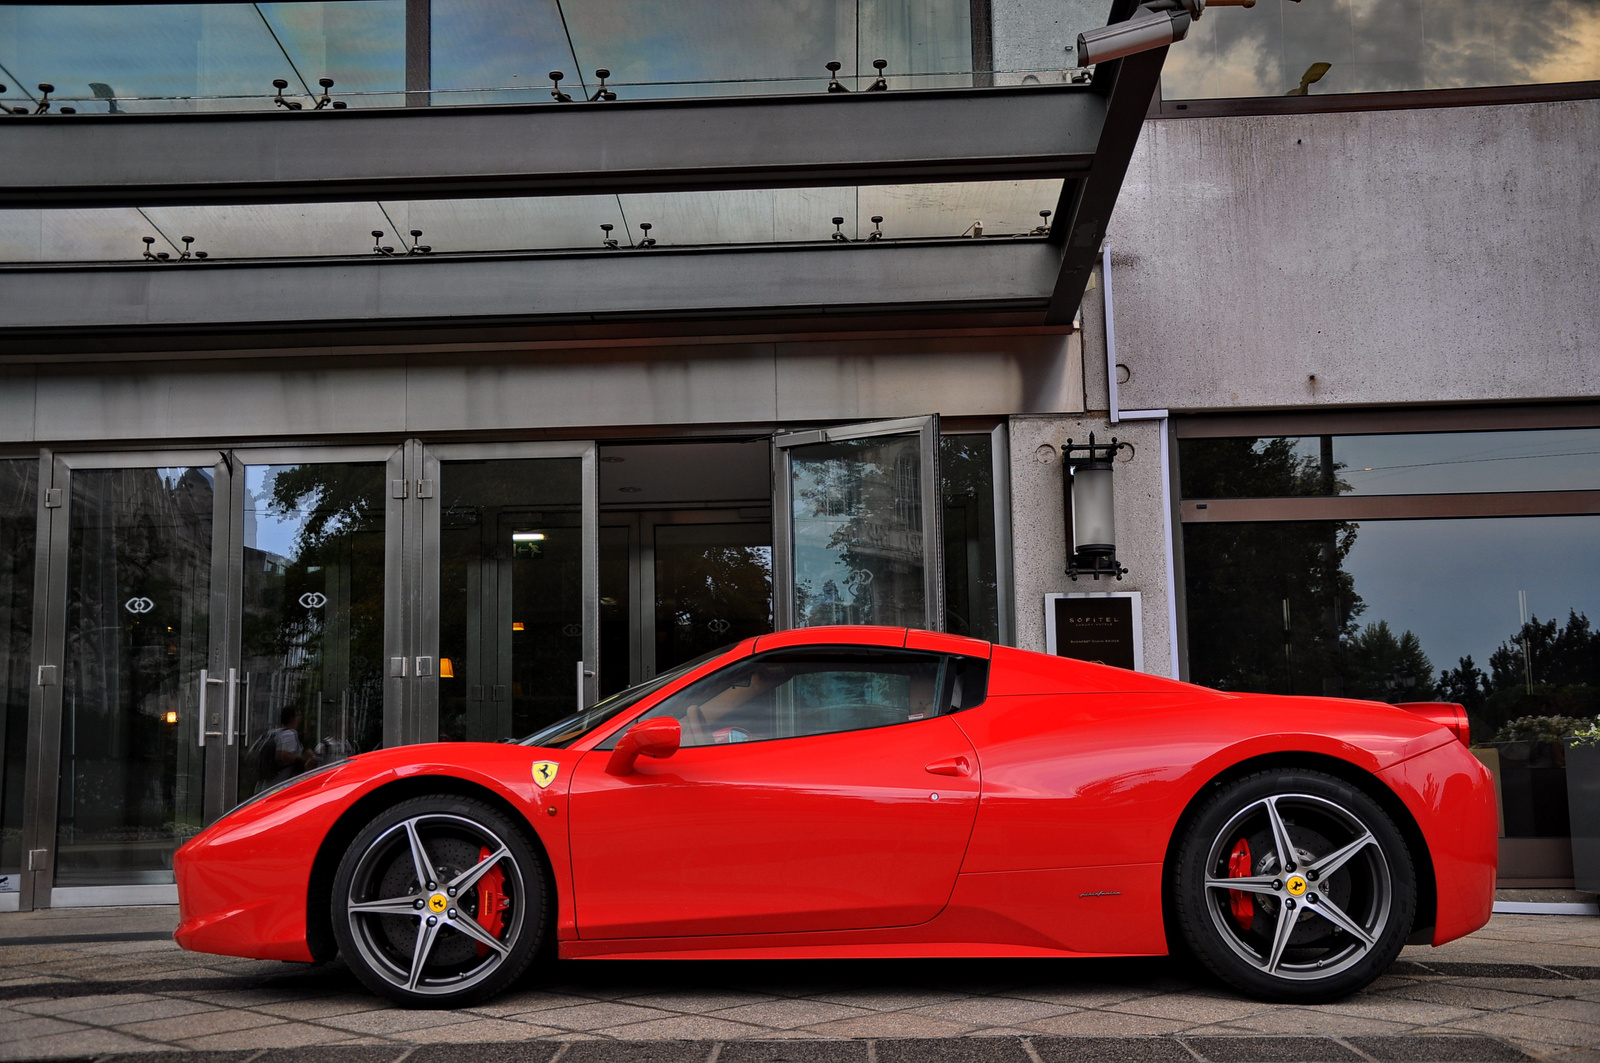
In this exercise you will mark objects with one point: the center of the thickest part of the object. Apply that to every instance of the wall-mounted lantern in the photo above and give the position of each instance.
(1091, 508)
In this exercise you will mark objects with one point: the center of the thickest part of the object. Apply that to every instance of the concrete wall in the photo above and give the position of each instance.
(1038, 526)
(570, 391)
(1424, 256)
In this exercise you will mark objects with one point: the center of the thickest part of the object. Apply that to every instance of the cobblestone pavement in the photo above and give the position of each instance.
(94, 984)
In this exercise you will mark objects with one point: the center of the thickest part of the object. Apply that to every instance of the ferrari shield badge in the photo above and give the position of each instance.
(544, 772)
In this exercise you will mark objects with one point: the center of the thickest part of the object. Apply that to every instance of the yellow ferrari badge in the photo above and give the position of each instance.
(438, 903)
(544, 772)
(1296, 885)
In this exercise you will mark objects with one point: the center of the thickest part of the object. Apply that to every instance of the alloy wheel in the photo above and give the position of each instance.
(434, 905)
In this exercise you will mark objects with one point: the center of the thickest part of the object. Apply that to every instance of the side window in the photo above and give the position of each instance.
(811, 692)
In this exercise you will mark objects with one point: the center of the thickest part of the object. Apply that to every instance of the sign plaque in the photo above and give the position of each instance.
(1104, 628)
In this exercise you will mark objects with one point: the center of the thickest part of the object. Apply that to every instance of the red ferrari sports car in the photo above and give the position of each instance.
(873, 792)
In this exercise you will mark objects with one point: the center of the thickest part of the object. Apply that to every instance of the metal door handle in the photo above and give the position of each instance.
(205, 681)
(233, 700)
(582, 675)
(950, 766)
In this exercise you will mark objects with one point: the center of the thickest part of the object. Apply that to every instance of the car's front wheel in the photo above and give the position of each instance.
(440, 902)
(1294, 885)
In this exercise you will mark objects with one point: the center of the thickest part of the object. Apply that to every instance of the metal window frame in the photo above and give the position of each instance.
(1404, 99)
(1391, 507)
(424, 631)
(52, 561)
(391, 457)
(1387, 420)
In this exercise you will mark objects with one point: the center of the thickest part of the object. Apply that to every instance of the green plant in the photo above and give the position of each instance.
(1543, 728)
(1588, 735)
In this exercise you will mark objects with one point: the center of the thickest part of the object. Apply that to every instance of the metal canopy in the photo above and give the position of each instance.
(550, 149)
(812, 279)
(1085, 134)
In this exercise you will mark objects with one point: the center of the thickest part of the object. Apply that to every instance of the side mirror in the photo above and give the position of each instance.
(657, 737)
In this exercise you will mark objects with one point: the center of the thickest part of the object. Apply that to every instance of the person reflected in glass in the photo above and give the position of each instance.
(290, 756)
(335, 745)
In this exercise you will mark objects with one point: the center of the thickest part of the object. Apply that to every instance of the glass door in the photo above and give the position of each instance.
(136, 693)
(856, 526)
(512, 551)
(310, 553)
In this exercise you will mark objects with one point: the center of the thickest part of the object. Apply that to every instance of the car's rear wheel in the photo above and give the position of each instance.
(439, 902)
(1294, 885)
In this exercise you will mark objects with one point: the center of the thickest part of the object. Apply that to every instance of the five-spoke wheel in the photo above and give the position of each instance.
(1294, 885)
(440, 901)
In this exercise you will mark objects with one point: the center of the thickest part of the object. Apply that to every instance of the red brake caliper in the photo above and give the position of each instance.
(492, 901)
(1244, 909)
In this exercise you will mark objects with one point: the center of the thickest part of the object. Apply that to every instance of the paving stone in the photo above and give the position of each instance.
(532, 1052)
(963, 1050)
(182, 1057)
(789, 1014)
(279, 1035)
(596, 1016)
(640, 1052)
(992, 1011)
(686, 1027)
(1106, 1024)
(334, 1054)
(1271, 1050)
(1437, 1049)
(794, 1052)
(1111, 1050)
(81, 1044)
(891, 1024)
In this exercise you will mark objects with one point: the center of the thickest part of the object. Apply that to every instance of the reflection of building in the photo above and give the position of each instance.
(1359, 272)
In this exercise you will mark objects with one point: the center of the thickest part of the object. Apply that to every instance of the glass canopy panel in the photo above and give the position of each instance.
(1280, 48)
(560, 223)
(142, 58)
(497, 51)
(360, 44)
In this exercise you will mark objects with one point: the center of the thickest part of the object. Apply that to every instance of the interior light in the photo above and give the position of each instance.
(517, 625)
(172, 717)
(527, 537)
(447, 668)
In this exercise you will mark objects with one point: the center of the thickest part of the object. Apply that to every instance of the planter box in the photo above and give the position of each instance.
(1533, 789)
(1583, 803)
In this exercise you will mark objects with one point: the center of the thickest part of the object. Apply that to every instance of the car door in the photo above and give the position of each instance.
(819, 788)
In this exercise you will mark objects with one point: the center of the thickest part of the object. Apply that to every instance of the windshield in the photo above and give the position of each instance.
(563, 733)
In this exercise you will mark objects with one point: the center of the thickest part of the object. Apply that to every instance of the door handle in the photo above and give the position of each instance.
(950, 766)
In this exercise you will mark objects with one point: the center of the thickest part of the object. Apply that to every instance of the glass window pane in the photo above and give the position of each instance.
(311, 675)
(1282, 48)
(510, 596)
(19, 505)
(807, 693)
(1565, 459)
(713, 588)
(1402, 611)
(137, 635)
(859, 556)
(966, 466)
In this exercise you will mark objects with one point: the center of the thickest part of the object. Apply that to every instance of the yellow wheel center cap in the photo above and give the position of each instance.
(1296, 885)
(437, 902)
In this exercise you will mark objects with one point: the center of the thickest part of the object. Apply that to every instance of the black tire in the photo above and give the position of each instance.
(1350, 893)
(477, 932)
